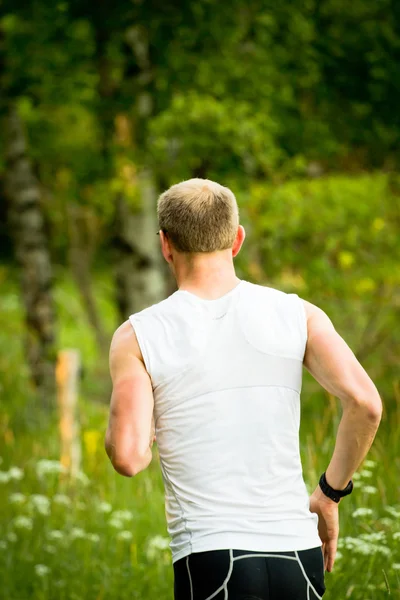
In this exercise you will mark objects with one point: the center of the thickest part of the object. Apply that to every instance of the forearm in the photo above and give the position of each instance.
(355, 434)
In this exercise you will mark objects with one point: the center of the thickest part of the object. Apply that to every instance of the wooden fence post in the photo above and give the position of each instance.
(67, 377)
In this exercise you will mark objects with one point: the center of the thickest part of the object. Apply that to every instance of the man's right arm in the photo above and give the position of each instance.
(333, 364)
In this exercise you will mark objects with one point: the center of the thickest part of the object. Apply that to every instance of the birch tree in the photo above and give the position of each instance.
(32, 253)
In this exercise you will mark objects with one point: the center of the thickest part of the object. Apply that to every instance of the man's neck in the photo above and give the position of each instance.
(210, 288)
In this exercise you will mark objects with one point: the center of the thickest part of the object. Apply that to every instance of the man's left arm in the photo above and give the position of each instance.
(130, 431)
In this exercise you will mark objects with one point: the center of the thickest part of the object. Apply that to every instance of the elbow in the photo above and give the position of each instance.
(129, 467)
(371, 407)
(125, 469)
(375, 411)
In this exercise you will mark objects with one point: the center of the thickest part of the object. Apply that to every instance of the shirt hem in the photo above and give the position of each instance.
(264, 543)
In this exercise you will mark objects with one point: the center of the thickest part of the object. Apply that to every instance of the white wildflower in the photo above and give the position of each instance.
(356, 476)
(77, 533)
(17, 498)
(82, 477)
(125, 535)
(55, 534)
(41, 570)
(62, 499)
(12, 536)
(49, 548)
(393, 512)
(117, 523)
(383, 550)
(370, 464)
(370, 489)
(104, 507)
(15, 473)
(123, 515)
(155, 545)
(339, 555)
(364, 544)
(362, 512)
(396, 535)
(364, 549)
(22, 522)
(366, 473)
(379, 536)
(396, 566)
(159, 542)
(40, 503)
(93, 537)
(47, 467)
(3, 545)
(4, 477)
(386, 521)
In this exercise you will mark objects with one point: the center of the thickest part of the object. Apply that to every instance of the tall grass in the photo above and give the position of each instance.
(103, 536)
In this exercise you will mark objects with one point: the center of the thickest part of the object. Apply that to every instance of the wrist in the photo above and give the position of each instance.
(334, 481)
(332, 493)
(322, 498)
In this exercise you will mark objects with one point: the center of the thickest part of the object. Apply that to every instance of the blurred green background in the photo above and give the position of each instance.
(294, 106)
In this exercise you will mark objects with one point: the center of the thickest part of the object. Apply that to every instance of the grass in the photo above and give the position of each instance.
(103, 536)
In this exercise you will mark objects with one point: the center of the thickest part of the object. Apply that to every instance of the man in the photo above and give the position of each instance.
(219, 364)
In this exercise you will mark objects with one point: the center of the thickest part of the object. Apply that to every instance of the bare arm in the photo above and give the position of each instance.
(130, 431)
(333, 364)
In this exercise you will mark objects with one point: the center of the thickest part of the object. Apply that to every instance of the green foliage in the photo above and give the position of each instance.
(341, 231)
(102, 534)
(256, 90)
(88, 536)
(215, 138)
(257, 95)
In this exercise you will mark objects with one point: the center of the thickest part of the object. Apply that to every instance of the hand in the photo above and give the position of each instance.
(328, 525)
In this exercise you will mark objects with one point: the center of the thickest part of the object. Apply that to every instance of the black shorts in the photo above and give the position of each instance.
(250, 575)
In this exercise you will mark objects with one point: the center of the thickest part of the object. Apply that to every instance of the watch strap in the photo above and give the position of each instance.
(333, 494)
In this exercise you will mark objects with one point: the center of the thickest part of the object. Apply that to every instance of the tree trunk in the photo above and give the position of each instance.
(138, 270)
(139, 276)
(80, 255)
(31, 249)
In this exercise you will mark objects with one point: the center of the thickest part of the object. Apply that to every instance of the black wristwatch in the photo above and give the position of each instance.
(335, 495)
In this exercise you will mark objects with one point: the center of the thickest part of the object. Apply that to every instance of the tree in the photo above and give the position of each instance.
(31, 249)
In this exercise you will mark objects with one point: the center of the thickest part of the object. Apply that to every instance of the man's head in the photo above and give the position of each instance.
(199, 216)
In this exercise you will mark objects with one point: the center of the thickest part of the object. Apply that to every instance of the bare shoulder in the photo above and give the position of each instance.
(124, 341)
(316, 317)
(311, 309)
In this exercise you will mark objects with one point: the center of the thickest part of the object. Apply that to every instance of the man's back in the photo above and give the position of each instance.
(223, 379)
(226, 377)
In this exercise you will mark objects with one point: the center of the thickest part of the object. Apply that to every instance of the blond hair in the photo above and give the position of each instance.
(199, 215)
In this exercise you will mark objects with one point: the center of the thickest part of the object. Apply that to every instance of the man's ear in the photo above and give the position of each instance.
(240, 237)
(165, 246)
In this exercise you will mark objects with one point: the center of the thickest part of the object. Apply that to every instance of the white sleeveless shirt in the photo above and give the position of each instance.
(226, 377)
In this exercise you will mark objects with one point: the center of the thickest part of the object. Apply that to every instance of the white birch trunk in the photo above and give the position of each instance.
(31, 249)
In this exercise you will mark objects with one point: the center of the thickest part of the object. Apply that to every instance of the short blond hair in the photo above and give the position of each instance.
(199, 215)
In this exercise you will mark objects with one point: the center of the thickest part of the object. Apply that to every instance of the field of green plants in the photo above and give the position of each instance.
(294, 106)
(103, 536)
